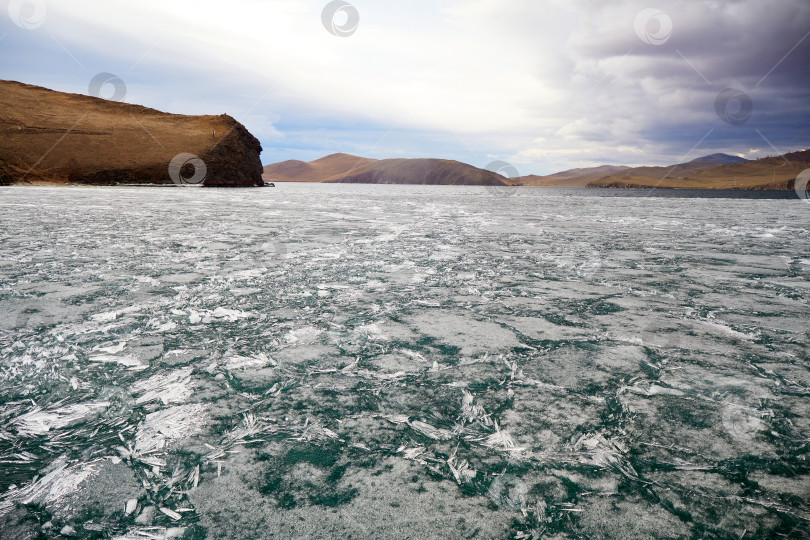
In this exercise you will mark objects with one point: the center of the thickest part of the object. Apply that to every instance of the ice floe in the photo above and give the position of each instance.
(161, 428)
(40, 421)
(170, 387)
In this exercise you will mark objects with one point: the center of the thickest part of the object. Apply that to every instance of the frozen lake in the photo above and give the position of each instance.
(319, 361)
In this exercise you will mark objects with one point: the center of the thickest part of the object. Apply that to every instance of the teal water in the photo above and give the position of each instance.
(401, 360)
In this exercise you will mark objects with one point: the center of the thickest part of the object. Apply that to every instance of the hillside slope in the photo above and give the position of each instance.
(49, 136)
(348, 169)
(421, 171)
(720, 159)
(777, 173)
(570, 178)
(314, 171)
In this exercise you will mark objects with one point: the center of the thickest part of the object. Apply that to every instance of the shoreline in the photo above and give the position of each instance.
(508, 191)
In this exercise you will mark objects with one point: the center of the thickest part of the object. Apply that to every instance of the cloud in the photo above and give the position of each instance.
(549, 85)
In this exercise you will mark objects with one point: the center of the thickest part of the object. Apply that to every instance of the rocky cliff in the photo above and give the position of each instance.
(48, 136)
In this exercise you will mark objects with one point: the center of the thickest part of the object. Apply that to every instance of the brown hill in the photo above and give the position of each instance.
(314, 171)
(769, 173)
(48, 136)
(347, 169)
(421, 171)
(570, 178)
(721, 159)
(777, 173)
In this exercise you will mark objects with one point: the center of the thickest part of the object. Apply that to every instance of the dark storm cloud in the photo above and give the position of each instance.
(760, 48)
(549, 84)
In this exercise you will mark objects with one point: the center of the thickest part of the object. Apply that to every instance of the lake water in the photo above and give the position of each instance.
(321, 361)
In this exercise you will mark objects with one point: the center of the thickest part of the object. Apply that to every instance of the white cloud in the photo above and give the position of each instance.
(537, 81)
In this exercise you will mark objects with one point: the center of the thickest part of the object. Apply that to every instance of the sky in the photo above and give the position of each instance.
(544, 85)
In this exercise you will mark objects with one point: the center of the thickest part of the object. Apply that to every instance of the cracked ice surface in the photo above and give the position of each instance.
(438, 361)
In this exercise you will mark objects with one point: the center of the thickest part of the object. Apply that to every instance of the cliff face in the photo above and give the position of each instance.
(48, 136)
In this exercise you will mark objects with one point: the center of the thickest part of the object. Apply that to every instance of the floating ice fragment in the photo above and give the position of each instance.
(152, 533)
(160, 428)
(471, 412)
(39, 422)
(318, 433)
(110, 316)
(166, 327)
(60, 481)
(723, 327)
(171, 513)
(461, 469)
(131, 362)
(654, 390)
(105, 317)
(427, 430)
(152, 461)
(373, 331)
(173, 387)
(306, 334)
(230, 315)
(602, 452)
(260, 361)
(131, 506)
(501, 440)
(113, 349)
(146, 516)
(413, 354)
(412, 453)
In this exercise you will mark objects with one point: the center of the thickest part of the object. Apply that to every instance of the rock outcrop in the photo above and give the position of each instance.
(54, 137)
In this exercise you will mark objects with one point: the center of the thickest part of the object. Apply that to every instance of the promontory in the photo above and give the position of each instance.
(58, 138)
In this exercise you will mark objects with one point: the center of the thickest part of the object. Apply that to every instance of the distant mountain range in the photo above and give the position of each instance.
(348, 169)
(720, 159)
(777, 173)
(58, 138)
(716, 171)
